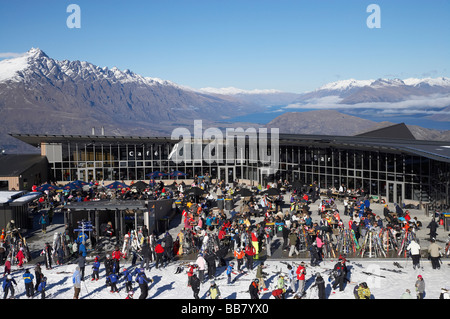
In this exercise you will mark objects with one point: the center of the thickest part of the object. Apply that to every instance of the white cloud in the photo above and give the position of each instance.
(414, 105)
(8, 55)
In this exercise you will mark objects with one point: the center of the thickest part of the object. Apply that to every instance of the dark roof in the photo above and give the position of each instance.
(107, 205)
(436, 150)
(395, 131)
(16, 164)
(36, 139)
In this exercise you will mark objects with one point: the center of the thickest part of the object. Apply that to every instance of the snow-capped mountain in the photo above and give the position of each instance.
(39, 94)
(428, 96)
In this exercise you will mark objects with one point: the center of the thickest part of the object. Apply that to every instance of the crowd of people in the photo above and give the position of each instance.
(239, 239)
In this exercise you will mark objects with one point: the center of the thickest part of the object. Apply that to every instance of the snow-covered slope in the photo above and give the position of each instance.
(383, 284)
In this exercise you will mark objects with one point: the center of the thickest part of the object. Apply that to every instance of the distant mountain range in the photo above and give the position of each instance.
(332, 122)
(40, 95)
(427, 97)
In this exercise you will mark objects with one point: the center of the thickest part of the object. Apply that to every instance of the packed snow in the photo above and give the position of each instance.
(169, 285)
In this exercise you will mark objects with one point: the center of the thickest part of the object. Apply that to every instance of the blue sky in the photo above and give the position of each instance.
(289, 45)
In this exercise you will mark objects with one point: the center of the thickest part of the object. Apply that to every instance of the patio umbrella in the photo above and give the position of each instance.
(244, 192)
(177, 174)
(116, 185)
(47, 187)
(297, 185)
(139, 185)
(70, 187)
(156, 174)
(195, 191)
(272, 192)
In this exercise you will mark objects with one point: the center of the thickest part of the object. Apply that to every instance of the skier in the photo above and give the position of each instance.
(435, 255)
(320, 284)
(260, 276)
(201, 267)
(314, 252)
(195, 285)
(47, 252)
(420, 287)
(230, 271)
(38, 275)
(190, 273)
(20, 257)
(76, 280)
(278, 293)
(8, 286)
(146, 256)
(81, 261)
(28, 280)
(143, 282)
(41, 287)
(168, 247)
(301, 272)
(128, 279)
(292, 279)
(116, 255)
(213, 291)
(363, 291)
(7, 269)
(250, 252)
(43, 222)
(108, 265)
(113, 278)
(433, 225)
(254, 289)
(210, 258)
(95, 269)
(159, 250)
(339, 273)
(414, 249)
(239, 254)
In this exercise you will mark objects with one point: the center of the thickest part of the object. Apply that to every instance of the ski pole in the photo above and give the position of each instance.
(84, 284)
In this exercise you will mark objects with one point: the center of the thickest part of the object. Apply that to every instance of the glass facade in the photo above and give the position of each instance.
(392, 174)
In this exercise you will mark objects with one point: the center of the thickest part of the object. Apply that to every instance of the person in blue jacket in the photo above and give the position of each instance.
(128, 276)
(41, 287)
(229, 272)
(95, 269)
(82, 249)
(143, 282)
(113, 278)
(28, 280)
(43, 222)
(8, 286)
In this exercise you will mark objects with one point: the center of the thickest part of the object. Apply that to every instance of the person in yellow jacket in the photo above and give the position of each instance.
(363, 291)
(213, 292)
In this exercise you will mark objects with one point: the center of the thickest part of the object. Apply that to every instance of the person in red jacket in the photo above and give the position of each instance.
(20, 257)
(116, 255)
(301, 274)
(190, 272)
(159, 250)
(250, 252)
